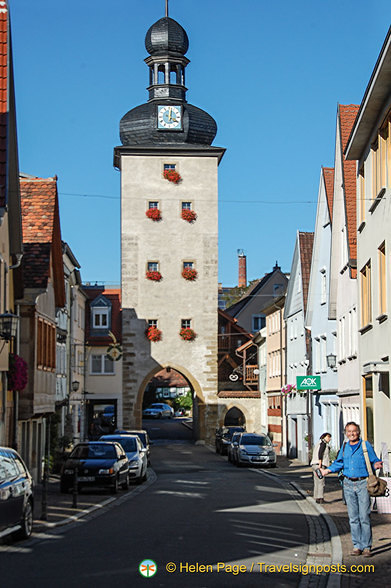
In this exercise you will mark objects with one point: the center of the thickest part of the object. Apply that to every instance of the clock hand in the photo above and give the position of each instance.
(170, 114)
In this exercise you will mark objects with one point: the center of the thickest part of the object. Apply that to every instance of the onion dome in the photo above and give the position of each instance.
(166, 36)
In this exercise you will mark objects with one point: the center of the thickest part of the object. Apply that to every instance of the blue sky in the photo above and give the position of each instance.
(271, 74)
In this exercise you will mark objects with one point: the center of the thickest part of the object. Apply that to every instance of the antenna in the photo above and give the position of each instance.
(166, 8)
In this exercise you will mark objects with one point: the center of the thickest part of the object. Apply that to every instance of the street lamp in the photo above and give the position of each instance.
(331, 360)
(8, 325)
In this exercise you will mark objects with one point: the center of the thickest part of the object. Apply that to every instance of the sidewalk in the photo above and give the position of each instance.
(293, 471)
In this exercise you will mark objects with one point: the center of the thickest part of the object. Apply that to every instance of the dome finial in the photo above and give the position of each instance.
(166, 8)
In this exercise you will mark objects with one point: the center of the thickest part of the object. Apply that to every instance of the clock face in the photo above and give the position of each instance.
(169, 118)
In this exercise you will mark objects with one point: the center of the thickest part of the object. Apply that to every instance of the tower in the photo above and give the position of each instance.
(169, 234)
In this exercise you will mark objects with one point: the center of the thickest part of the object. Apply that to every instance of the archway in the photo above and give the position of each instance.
(173, 387)
(234, 417)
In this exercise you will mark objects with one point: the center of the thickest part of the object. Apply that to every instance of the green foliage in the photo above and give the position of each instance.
(185, 402)
(235, 294)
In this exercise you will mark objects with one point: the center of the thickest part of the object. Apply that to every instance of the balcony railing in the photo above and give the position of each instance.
(251, 374)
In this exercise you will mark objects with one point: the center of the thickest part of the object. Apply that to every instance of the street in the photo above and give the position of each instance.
(200, 511)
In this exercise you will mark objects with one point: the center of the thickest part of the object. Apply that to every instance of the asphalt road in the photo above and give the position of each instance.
(200, 510)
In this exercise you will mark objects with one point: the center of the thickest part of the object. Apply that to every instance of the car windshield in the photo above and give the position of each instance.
(141, 436)
(128, 443)
(228, 434)
(94, 452)
(255, 440)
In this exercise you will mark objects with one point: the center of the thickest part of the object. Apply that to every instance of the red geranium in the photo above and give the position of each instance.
(17, 373)
(153, 334)
(154, 276)
(189, 274)
(188, 215)
(187, 334)
(172, 176)
(154, 214)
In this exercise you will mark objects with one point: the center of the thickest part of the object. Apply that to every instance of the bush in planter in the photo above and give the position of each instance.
(172, 176)
(154, 276)
(189, 274)
(154, 214)
(187, 334)
(153, 334)
(188, 215)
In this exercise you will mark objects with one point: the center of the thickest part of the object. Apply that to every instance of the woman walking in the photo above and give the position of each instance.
(320, 458)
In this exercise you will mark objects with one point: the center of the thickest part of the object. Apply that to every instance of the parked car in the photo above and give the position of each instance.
(253, 449)
(98, 463)
(232, 445)
(158, 410)
(224, 436)
(143, 436)
(135, 453)
(16, 495)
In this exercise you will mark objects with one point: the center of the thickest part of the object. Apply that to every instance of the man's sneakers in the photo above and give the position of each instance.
(356, 551)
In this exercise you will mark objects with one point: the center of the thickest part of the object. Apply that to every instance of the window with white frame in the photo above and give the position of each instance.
(152, 322)
(323, 286)
(323, 360)
(101, 365)
(186, 205)
(169, 166)
(186, 324)
(188, 265)
(100, 317)
(153, 204)
(258, 322)
(153, 266)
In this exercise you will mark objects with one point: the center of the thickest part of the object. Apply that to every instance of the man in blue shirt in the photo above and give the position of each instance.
(351, 460)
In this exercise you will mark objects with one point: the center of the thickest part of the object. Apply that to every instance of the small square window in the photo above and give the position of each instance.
(169, 166)
(153, 266)
(188, 265)
(153, 204)
(186, 206)
(152, 322)
(186, 323)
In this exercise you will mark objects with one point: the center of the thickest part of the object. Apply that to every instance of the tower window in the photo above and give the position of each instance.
(186, 205)
(188, 265)
(186, 324)
(153, 266)
(169, 167)
(152, 322)
(153, 204)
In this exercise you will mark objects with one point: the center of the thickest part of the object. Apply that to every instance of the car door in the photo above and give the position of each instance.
(123, 462)
(11, 492)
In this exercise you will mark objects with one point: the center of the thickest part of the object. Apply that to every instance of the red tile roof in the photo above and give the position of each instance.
(3, 98)
(347, 115)
(306, 242)
(328, 175)
(41, 235)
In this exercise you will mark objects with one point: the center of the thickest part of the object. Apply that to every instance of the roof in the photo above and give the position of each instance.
(306, 242)
(347, 116)
(375, 98)
(328, 176)
(42, 235)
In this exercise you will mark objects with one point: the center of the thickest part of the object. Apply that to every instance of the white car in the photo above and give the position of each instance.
(158, 410)
(255, 450)
(136, 454)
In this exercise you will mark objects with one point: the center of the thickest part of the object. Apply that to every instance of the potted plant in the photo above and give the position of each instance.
(188, 215)
(154, 276)
(172, 176)
(189, 274)
(288, 389)
(187, 334)
(153, 334)
(17, 373)
(154, 214)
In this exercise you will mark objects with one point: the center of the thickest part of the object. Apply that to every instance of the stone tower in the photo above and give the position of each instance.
(169, 234)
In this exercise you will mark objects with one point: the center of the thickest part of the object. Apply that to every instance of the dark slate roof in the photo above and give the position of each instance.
(114, 296)
(166, 36)
(328, 176)
(138, 127)
(306, 241)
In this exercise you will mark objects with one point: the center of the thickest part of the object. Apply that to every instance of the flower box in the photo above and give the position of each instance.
(188, 215)
(154, 276)
(153, 334)
(189, 274)
(17, 373)
(288, 389)
(172, 176)
(187, 334)
(154, 214)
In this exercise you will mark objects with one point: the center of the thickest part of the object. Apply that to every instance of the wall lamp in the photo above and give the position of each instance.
(331, 360)
(8, 325)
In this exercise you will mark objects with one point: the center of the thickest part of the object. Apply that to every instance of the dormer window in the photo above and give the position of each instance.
(100, 314)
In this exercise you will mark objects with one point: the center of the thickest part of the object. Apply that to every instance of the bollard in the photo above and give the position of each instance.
(75, 489)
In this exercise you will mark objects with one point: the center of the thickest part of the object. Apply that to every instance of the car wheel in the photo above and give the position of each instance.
(145, 475)
(115, 486)
(125, 485)
(26, 522)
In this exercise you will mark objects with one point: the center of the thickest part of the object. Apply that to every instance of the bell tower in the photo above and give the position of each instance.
(169, 258)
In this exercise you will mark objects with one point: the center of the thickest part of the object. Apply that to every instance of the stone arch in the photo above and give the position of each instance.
(235, 407)
(197, 393)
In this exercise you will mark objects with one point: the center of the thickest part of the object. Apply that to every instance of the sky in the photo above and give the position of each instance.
(270, 73)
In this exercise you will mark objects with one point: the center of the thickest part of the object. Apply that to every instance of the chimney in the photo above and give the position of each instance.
(242, 282)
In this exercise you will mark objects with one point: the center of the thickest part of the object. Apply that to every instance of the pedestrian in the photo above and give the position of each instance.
(351, 460)
(320, 458)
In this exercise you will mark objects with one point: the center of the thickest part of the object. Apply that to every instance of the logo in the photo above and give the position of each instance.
(147, 568)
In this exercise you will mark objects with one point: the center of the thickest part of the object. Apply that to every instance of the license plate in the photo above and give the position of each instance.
(86, 478)
(257, 458)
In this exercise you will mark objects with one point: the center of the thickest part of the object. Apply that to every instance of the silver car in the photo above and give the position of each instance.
(255, 450)
(135, 453)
